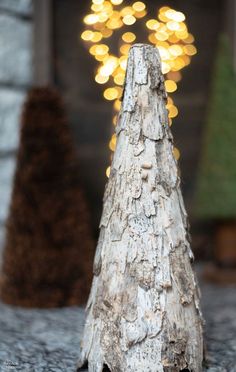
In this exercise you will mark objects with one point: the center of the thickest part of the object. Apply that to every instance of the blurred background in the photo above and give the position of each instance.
(41, 44)
(80, 48)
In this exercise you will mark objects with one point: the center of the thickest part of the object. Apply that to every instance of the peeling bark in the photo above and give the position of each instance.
(143, 311)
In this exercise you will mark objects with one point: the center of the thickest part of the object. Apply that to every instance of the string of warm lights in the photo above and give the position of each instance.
(168, 32)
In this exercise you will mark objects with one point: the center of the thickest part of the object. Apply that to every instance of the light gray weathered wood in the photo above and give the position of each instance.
(143, 311)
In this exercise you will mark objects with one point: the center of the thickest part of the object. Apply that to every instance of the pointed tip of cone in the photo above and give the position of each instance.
(146, 47)
(41, 100)
(143, 68)
(142, 45)
(44, 98)
(43, 108)
(43, 94)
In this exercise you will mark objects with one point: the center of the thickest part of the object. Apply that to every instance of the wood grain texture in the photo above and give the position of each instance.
(143, 311)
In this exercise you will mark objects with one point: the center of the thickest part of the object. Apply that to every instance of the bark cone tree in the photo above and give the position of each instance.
(143, 311)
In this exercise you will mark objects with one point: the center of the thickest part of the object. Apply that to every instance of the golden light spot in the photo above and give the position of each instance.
(173, 111)
(175, 16)
(119, 92)
(182, 27)
(190, 39)
(109, 66)
(98, 26)
(92, 50)
(163, 17)
(175, 50)
(112, 61)
(163, 9)
(152, 38)
(114, 120)
(108, 12)
(106, 32)
(114, 24)
(112, 147)
(112, 143)
(97, 7)
(87, 35)
(170, 86)
(171, 63)
(102, 17)
(119, 79)
(174, 75)
(107, 6)
(140, 14)
(186, 60)
(190, 50)
(173, 26)
(124, 49)
(115, 72)
(110, 94)
(176, 153)
(128, 37)
(152, 24)
(117, 105)
(161, 35)
(97, 36)
(101, 79)
(101, 58)
(108, 171)
(98, 1)
(164, 44)
(128, 10)
(138, 6)
(123, 62)
(179, 63)
(165, 67)
(173, 39)
(115, 15)
(117, 2)
(129, 20)
(181, 34)
(169, 13)
(90, 19)
(169, 100)
(101, 49)
(178, 17)
(164, 53)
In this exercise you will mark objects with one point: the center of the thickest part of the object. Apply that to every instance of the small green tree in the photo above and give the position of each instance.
(216, 189)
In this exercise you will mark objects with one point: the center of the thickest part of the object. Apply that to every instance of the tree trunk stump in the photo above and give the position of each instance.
(143, 311)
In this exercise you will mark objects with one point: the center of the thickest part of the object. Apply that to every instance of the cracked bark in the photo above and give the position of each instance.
(143, 311)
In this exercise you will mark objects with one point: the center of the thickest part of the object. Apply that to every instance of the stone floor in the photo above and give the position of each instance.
(219, 309)
(48, 340)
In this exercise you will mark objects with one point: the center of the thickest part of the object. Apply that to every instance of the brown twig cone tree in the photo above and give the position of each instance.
(49, 250)
(143, 309)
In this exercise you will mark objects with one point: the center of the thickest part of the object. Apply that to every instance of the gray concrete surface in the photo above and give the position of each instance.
(48, 340)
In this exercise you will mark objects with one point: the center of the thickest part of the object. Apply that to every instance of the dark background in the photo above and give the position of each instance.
(90, 115)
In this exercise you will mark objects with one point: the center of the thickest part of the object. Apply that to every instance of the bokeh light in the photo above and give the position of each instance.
(168, 32)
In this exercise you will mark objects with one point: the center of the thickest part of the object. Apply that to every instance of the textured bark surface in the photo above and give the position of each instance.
(143, 312)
